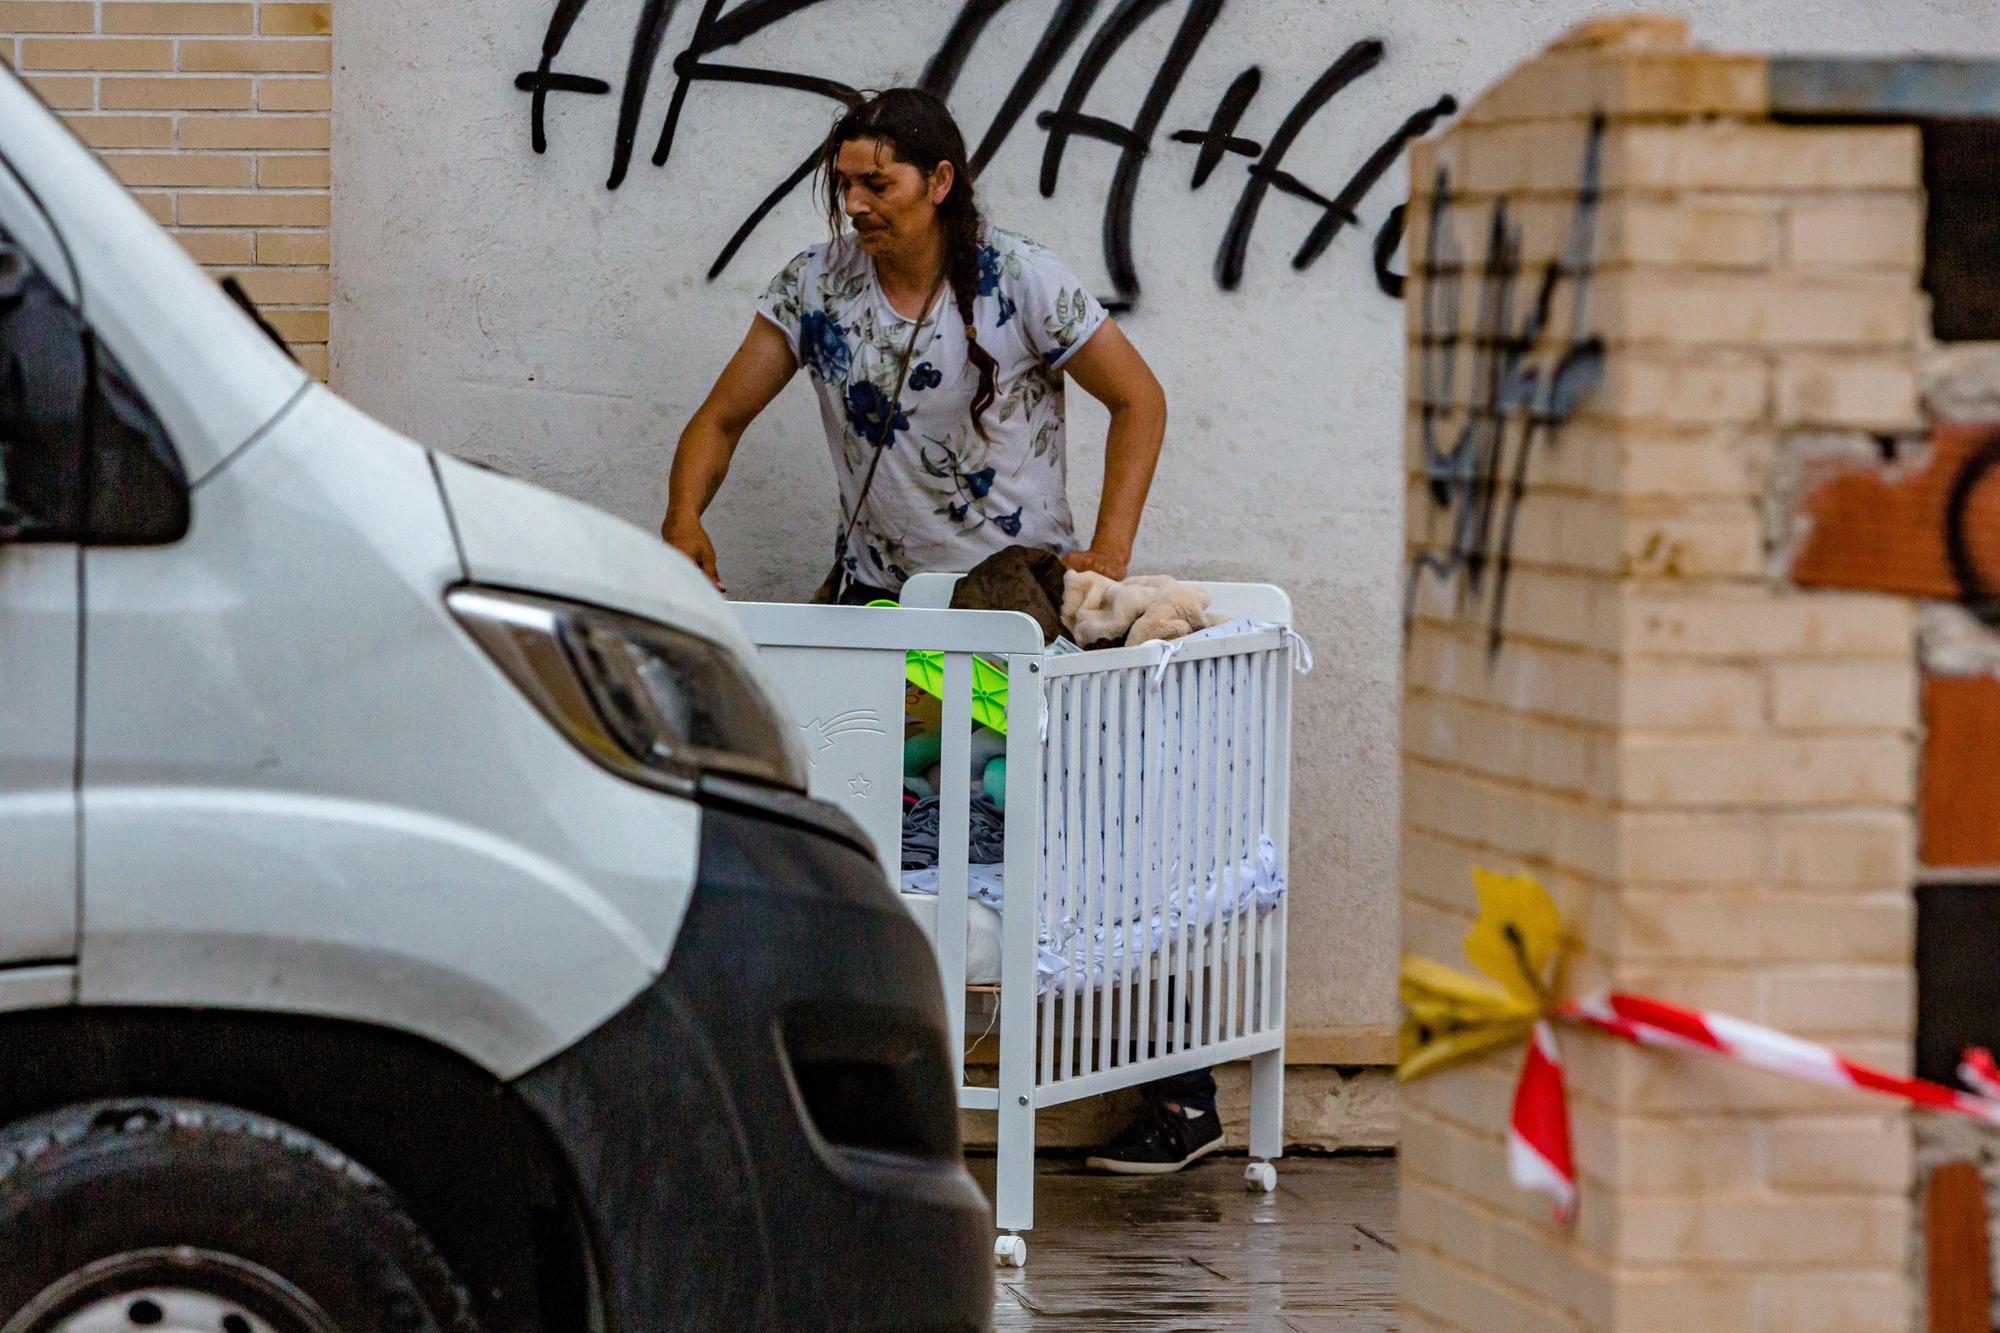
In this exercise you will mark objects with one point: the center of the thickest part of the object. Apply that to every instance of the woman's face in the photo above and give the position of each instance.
(890, 204)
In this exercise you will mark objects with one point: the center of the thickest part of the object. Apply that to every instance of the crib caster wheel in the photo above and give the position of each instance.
(1010, 1252)
(1260, 1177)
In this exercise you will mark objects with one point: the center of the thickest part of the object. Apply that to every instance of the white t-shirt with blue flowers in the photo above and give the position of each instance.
(943, 498)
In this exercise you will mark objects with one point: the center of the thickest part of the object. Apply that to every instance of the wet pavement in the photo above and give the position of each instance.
(1198, 1252)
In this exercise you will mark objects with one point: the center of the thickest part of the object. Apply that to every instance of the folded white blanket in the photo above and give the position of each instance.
(1090, 950)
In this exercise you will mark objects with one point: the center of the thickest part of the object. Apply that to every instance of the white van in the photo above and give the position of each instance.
(410, 915)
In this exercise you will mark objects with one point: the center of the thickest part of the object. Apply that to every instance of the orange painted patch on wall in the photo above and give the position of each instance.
(1959, 810)
(1929, 532)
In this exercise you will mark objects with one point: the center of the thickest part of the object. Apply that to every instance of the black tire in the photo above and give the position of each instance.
(171, 1181)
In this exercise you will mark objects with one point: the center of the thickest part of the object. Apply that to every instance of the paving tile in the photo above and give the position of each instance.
(1197, 1252)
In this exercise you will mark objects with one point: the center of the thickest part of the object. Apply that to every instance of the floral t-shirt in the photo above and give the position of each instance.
(944, 499)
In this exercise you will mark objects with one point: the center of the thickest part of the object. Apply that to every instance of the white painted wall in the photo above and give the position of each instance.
(507, 307)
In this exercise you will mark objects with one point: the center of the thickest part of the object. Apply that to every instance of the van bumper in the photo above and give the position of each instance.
(767, 1137)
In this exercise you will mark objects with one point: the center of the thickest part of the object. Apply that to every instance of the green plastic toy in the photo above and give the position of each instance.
(925, 670)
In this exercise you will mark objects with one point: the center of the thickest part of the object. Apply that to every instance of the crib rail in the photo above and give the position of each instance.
(1153, 847)
(1148, 794)
(1161, 862)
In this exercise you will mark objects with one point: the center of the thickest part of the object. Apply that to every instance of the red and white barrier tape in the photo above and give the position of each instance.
(1538, 1156)
(1538, 1151)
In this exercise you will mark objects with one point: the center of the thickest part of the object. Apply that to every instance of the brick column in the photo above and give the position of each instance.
(1608, 686)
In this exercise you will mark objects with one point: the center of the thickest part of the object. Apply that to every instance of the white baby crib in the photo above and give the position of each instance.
(1147, 799)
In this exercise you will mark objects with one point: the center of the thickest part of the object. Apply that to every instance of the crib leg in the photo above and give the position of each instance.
(1014, 1169)
(1267, 1105)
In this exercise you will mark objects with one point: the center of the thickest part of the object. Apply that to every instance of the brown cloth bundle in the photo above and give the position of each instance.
(1018, 578)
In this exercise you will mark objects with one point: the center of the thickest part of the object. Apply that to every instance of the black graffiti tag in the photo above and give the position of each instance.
(1521, 392)
(720, 26)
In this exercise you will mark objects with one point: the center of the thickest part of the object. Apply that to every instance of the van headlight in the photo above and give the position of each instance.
(649, 702)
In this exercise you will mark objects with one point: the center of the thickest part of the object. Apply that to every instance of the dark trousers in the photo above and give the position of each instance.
(1194, 1089)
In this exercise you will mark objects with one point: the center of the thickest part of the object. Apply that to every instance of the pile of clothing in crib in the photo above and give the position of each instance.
(1077, 612)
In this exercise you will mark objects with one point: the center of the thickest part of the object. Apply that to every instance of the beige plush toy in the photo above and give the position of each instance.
(1181, 610)
(1097, 608)
(1137, 610)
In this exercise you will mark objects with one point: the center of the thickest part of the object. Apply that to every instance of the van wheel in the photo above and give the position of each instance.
(187, 1217)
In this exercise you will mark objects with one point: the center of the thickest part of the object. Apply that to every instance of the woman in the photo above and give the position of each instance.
(973, 459)
(938, 347)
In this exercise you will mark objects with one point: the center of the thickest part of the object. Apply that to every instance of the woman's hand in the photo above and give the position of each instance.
(687, 536)
(1111, 564)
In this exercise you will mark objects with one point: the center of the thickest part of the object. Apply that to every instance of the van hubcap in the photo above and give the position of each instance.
(180, 1290)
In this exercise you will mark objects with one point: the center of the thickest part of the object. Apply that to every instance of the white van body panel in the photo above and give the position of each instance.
(307, 790)
(210, 374)
(520, 536)
(38, 647)
(515, 535)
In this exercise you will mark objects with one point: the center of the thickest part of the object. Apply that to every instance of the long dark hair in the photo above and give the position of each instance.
(918, 128)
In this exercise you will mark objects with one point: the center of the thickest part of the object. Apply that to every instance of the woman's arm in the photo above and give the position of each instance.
(753, 377)
(1111, 370)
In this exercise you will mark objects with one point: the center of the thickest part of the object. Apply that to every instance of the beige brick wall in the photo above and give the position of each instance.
(1713, 772)
(216, 114)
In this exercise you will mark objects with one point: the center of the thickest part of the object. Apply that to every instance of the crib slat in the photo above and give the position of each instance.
(1241, 920)
(1091, 887)
(1281, 819)
(1231, 877)
(1075, 857)
(1261, 817)
(1203, 1019)
(1253, 989)
(954, 825)
(1138, 975)
(1049, 854)
(1253, 1013)
(1095, 809)
(1112, 738)
(1132, 859)
(1274, 763)
(1132, 884)
(1165, 1030)
(1217, 829)
(1089, 804)
(1191, 869)
(1159, 809)
(1093, 861)
(1218, 930)
(1247, 839)
(1111, 882)
(1232, 937)
(1186, 800)
(1253, 827)
(1073, 876)
(1227, 861)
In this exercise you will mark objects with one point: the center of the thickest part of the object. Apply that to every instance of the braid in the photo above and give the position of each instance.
(961, 242)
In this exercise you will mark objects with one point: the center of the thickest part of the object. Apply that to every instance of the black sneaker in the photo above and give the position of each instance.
(1159, 1142)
